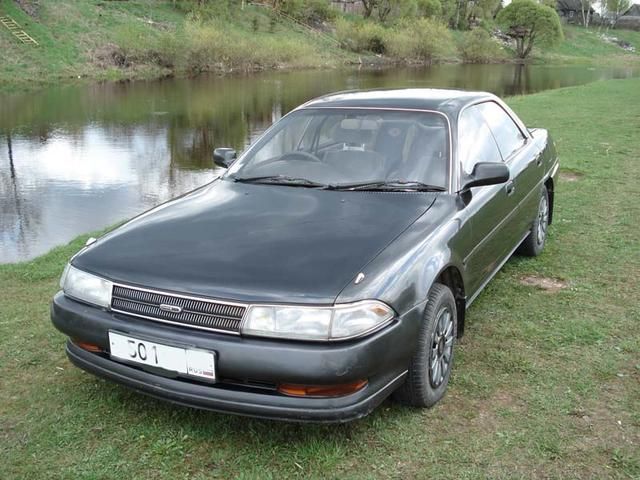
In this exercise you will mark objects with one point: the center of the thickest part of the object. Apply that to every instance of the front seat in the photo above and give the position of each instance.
(390, 141)
(427, 159)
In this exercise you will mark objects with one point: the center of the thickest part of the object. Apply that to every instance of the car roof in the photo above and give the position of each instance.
(449, 102)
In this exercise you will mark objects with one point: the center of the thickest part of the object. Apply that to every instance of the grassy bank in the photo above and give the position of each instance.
(141, 39)
(547, 382)
(144, 39)
(582, 46)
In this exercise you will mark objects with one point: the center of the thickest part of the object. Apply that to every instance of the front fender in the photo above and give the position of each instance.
(402, 274)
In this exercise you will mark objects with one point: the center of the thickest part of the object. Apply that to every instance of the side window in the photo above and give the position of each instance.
(505, 131)
(475, 141)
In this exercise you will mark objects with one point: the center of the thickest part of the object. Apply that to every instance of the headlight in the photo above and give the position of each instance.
(86, 287)
(317, 323)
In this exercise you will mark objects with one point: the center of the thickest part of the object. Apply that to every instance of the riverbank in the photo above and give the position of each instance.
(143, 39)
(547, 380)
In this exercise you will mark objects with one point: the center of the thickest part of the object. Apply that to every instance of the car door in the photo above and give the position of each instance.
(487, 207)
(525, 164)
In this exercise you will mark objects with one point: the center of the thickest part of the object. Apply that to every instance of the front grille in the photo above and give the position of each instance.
(196, 312)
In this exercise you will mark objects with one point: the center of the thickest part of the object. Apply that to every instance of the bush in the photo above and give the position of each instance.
(392, 10)
(137, 45)
(317, 11)
(195, 10)
(291, 7)
(213, 45)
(362, 37)
(429, 8)
(477, 46)
(423, 41)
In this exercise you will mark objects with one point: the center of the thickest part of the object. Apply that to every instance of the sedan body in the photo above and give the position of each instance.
(329, 267)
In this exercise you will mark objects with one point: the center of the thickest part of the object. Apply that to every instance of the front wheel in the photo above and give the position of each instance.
(534, 243)
(430, 366)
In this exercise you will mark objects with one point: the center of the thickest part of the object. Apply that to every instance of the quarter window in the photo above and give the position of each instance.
(476, 143)
(506, 132)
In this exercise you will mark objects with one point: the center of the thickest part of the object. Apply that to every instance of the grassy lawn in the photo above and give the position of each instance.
(586, 46)
(546, 385)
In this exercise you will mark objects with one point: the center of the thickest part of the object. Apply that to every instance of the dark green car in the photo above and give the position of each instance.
(329, 267)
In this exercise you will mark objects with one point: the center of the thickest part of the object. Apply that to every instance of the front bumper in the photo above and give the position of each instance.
(381, 358)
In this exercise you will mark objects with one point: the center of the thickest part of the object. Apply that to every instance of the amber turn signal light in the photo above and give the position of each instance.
(89, 347)
(321, 390)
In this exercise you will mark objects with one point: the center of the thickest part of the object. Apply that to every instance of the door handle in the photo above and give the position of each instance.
(510, 188)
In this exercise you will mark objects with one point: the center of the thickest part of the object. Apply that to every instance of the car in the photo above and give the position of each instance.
(329, 267)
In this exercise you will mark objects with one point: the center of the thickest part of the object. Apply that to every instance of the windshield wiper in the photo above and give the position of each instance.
(280, 180)
(389, 185)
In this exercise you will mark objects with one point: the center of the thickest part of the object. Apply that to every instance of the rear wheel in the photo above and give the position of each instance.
(430, 366)
(534, 243)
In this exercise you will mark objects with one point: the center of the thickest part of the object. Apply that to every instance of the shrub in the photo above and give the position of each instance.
(391, 10)
(213, 45)
(197, 10)
(317, 11)
(309, 11)
(477, 46)
(429, 8)
(291, 7)
(138, 45)
(423, 40)
(362, 37)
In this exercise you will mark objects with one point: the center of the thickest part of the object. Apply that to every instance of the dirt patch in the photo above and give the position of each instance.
(30, 7)
(547, 284)
(109, 55)
(571, 175)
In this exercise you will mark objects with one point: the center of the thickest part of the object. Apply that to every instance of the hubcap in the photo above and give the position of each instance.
(441, 348)
(543, 220)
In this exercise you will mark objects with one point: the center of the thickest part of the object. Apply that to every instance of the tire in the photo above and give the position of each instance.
(425, 386)
(533, 245)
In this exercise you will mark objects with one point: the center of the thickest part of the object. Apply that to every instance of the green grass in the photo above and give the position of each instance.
(145, 39)
(77, 38)
(546, 385)
(586, 46)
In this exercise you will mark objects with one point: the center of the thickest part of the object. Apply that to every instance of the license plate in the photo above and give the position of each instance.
(185, 361)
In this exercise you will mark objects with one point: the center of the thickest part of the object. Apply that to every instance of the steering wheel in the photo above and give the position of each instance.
(300, 155)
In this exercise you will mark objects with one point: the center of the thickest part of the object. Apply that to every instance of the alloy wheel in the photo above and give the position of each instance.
(441, 348)
(543, 220)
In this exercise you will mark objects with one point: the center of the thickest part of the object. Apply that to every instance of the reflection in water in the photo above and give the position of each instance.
(77, 159)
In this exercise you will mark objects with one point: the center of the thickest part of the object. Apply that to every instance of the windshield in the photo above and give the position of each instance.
(341, 147)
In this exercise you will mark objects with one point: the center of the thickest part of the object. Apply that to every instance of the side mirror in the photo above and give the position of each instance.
(486, 173)
(224, 157)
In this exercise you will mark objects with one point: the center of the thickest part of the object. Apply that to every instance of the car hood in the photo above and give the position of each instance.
(251, 242)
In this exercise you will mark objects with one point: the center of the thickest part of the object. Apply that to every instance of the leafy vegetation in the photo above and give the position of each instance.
(362, 36)
(147, 39)
(477, 46)
(530, 23)
(423, 41)
(114, 40)
(546, 382)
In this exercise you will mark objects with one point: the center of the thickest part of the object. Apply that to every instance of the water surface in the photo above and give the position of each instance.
(79, 158)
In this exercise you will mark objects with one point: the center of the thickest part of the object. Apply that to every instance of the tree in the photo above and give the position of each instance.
(585, 9)
(615, 8)
(530, 23)
(388, 8)
(368, 6)
(429, 8)
(483, 9)
(395, 9)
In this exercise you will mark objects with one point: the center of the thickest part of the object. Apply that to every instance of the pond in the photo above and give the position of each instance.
(80, 158)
